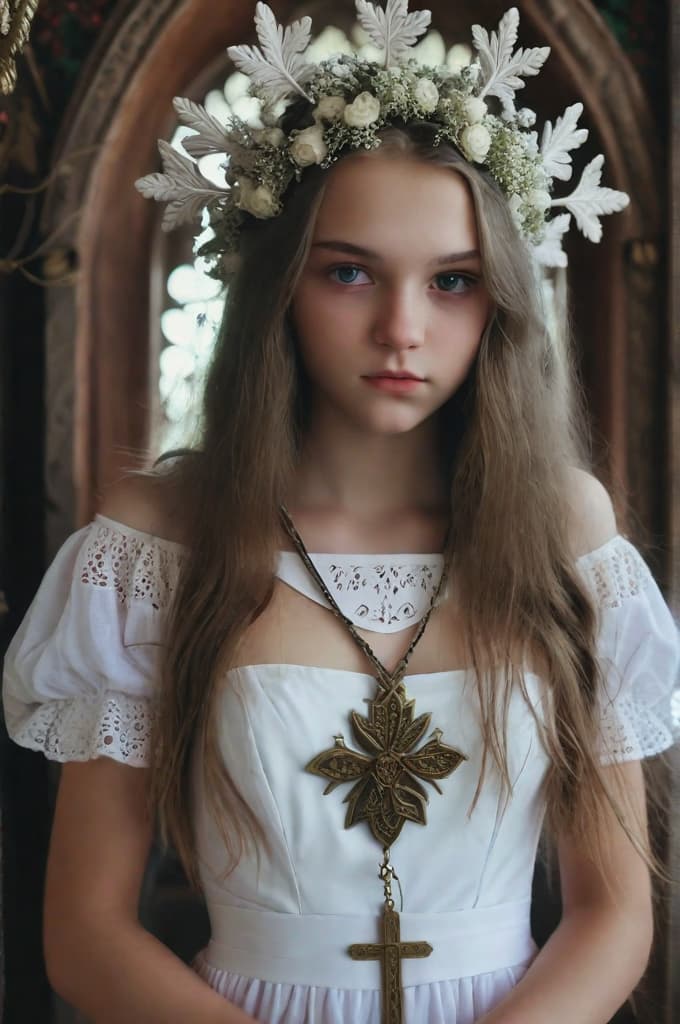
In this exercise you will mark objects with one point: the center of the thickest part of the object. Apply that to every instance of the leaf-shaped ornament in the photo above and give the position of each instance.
(211, 136)
(181, 185)
(339, 764)
(549, 252)
(501, 67)
(277, 66)
(393, 30)
(436, 760)
(558, 141)
(588, 202)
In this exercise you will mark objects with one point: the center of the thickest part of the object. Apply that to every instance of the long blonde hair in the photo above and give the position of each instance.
(513, 435)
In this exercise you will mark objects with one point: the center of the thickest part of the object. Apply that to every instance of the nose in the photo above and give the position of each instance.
(400, 319)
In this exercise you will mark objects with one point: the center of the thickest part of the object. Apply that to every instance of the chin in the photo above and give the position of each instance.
(400, 421)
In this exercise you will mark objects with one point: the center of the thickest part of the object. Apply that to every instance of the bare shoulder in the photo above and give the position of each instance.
(591, 517)
(150, 501)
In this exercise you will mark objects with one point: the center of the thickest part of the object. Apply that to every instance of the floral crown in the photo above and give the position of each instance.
(345, 101)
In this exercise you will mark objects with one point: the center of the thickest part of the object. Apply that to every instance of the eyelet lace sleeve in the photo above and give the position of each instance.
(81, 673)
(639, 651)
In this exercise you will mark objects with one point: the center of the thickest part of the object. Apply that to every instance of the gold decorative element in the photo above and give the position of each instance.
(15, 24)
(391, 951)
(387, 791)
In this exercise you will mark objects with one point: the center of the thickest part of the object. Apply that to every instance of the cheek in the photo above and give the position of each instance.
(461, 334)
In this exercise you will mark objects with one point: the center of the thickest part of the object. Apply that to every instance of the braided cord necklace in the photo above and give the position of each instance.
(387, 778)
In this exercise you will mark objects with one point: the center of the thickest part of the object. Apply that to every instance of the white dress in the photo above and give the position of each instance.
(80, 680)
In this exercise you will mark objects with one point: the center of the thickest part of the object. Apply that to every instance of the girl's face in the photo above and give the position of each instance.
(391, 305)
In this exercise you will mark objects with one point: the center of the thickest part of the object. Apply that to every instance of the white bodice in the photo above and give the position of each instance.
(81, 681)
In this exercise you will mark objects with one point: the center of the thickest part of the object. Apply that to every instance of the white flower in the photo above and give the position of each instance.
(308, 146)
(531, 143)
(526, 118)
(474, 109)
(474, 70)
(363, 111)
(426, 95)
(256, 199)
(475, 141)
(515, 204)
(329, 108)
(539, 199)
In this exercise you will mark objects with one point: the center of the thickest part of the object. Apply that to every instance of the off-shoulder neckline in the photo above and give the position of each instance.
(582, 560)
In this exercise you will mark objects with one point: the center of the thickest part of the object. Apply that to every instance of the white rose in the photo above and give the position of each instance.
(308, 147)
(329, 108)
(474, 109)
(363, 111)
(539, 199)
(256, 199)
(426, 95)
(475, 141)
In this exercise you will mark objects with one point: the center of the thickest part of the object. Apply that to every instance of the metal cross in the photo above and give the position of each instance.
(390, 952)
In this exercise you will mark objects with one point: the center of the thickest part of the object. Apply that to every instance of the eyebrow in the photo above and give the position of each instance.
(358, 250)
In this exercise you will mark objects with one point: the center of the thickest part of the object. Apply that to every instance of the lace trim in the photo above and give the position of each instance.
(391, 595)
(137, 566)
(631, 730)
(115, 725)
(615, 572)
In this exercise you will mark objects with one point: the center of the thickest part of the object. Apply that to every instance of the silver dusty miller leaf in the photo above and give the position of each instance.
(211, 136)
(277, 66)
(549, 252)
(501, 67)
(588, 202)
(393, 30)
(558, 141)
(181, 185)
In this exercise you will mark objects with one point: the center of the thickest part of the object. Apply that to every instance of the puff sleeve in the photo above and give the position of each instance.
(81, 673)
(639, 653)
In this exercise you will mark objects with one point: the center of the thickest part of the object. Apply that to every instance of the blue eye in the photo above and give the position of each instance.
(457, 284)
(346, 274)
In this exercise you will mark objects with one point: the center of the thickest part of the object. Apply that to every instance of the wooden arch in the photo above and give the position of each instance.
(151, 51)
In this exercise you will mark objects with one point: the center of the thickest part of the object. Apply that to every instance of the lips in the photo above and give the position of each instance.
(389, 375)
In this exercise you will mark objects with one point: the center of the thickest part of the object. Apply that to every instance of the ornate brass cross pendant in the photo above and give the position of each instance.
(391, 951)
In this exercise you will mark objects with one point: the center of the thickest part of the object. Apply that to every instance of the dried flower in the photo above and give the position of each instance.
(308, 147)
(364, 110)
(329, 108)
(256, 199)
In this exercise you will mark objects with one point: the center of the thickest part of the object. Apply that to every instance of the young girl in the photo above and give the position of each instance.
(353, 750)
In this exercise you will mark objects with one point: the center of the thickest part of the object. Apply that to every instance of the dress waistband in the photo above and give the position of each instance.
(312, 949)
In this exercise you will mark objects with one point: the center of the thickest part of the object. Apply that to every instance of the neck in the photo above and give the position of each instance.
(370, 476)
